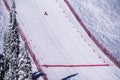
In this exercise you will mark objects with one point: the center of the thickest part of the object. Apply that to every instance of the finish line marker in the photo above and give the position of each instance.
(81, 65)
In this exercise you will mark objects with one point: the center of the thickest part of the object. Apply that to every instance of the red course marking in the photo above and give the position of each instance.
(89, 45)
(84, 65)
(63, 11)
(31, 52)
(56, 0)
(93, 50)
(27, 45)
(99, 56)
(6, 5)
(84, 39)
(102, 48)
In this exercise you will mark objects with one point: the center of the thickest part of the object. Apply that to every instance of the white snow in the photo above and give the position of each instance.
(57, 38)
(54, 40)
(102, 18)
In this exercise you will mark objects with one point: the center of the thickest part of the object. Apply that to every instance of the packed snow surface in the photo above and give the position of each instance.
(102, 18)
(56, 40)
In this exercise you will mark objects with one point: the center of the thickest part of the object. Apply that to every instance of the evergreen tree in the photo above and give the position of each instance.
(17, 64)
(1, 67)
(24, 65)
(11, 47)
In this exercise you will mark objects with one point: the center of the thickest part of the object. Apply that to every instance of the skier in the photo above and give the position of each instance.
(36, 75)
(45, 13)
(70, 76)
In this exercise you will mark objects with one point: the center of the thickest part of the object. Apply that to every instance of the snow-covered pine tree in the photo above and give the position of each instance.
(24, 64)
(17, 64)
(11, 47)
(1, 67)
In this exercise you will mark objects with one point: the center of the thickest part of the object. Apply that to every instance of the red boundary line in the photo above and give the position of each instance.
(27, 45)
(31, 52)
(106, 52)
(84, 65)
(6, 5)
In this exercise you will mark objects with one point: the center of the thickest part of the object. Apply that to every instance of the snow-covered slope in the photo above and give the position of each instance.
(102, 18)
(56, 42)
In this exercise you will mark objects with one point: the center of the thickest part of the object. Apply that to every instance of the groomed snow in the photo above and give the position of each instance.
(56, 40)
(102, 18)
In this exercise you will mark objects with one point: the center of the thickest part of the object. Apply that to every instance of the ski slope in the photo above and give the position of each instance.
(59, 46)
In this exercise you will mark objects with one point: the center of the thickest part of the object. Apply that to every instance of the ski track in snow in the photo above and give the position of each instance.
(55, 40)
